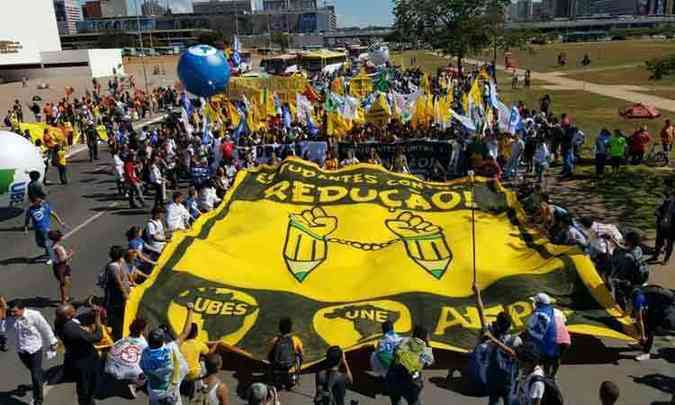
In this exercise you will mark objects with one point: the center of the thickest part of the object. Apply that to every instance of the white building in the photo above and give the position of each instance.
(30, 46)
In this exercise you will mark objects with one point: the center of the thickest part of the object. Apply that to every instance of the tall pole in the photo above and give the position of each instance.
(140, 41)
(474, 286)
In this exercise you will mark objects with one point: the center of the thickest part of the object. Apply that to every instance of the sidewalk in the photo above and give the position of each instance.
(616, 91)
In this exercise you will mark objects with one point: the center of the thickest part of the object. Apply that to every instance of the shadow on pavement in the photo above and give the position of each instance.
(38, 302)
(660, 382)
(9, 397)
(8, 213)
(131, 212)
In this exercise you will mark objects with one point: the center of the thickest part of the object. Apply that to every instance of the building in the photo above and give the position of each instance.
(224, 6)
(68, 13)
(129, 8)
(615, 7)
(36, 53)
(92, 9)
(277, 5)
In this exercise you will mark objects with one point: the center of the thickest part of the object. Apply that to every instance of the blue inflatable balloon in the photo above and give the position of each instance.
(203, 70)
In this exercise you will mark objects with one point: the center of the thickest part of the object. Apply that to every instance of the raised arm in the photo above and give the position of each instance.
(188, 325)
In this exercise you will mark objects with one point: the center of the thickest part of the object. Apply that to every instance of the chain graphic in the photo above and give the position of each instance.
(307, 238)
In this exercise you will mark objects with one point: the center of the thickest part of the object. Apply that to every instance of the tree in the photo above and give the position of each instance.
(281, 39)
(458, 27)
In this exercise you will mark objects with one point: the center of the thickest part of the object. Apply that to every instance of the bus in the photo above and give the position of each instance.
(317, 61)
(277, 65)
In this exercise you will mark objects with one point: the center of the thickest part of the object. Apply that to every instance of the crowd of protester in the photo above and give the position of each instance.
(185, 165)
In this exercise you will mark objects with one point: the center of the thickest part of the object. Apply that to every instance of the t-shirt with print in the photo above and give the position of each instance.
(124, 358)
(159, 366)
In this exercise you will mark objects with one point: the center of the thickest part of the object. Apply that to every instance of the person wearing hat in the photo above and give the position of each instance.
(262, 394)
(163, 364)
(546, 328)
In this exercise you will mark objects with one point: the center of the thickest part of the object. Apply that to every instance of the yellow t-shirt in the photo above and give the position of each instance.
(61, 156)
(192, 349)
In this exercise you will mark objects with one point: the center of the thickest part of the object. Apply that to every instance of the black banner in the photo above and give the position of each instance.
(428, 159)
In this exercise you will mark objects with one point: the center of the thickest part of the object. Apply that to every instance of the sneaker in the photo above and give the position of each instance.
(132, 390)
(643, 357)
(49, 262)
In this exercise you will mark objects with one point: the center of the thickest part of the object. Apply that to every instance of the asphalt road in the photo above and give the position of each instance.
(98, 220)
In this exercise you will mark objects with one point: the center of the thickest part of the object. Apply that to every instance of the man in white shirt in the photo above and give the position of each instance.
(28, 329)
(177, 216)
(154, 234)
(157, 180)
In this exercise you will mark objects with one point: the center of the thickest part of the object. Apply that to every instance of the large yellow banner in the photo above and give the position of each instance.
(341, 252)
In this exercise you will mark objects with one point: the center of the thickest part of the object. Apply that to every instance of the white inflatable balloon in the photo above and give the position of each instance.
(378, 55)
(18, 157)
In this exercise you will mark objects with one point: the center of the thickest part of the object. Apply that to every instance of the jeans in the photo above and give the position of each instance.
(400, 385)
(115, 320)
(663, 238)
(135, 193)
(600, 160)
(568, 163)
(93, 151)
(43, 241)
(63, 174)
(33, 363)
(512, 166)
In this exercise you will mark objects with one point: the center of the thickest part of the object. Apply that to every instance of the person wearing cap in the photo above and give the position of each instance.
(163, 364)
(653, 309)
(546, 329)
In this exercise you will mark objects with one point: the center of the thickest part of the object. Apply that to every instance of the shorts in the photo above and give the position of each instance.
(61, 271)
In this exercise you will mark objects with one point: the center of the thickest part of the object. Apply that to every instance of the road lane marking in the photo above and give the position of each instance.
(89, 221)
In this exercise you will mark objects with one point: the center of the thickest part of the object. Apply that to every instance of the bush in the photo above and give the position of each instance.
(660, 67)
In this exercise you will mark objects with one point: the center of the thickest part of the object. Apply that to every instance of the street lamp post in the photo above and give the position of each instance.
(140, 42)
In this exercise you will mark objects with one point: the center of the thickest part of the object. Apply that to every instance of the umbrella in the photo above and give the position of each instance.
(639, 111)
(37, 98)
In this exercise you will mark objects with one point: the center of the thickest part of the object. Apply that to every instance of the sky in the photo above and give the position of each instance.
(363, 12)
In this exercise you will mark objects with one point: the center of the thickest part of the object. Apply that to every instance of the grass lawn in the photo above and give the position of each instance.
(544, 58)
(629, 199)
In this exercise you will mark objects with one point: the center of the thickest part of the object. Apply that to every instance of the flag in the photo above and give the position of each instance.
(286, 117)
(464, 120)
(305, 110)
(234, 113)
(242, 127)
(504, 117)
(425, 84)
(311, 127)
(186, 104)
(475, 96)
(236, 49)
(515, 121)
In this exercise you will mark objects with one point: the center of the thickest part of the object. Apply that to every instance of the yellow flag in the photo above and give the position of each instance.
(361, 85)
(475, 95)
(233, 113)
(425, 84)
(337, 125)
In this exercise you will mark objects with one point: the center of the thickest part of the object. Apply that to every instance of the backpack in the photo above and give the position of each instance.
(552, 394)
(283, 353)
(408, 355)
(324, 392)
(499, 368)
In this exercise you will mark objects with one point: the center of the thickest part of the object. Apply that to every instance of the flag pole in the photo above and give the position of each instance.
(474, 286)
